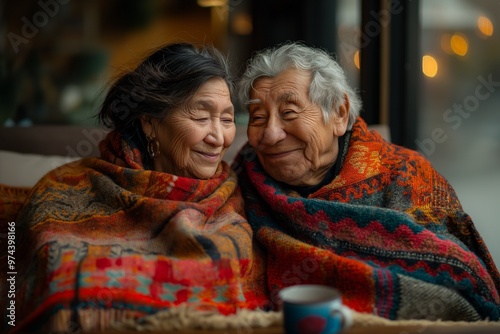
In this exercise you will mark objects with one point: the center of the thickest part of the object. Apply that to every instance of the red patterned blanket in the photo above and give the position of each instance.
(388, 231)
(103, 240)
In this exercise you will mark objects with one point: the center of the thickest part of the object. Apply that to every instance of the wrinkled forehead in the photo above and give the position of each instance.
(288, 85)
(277, 97)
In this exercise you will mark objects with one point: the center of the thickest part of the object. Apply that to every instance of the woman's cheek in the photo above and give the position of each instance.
(229, 136)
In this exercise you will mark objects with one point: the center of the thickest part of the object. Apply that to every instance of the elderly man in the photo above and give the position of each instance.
(335, 204)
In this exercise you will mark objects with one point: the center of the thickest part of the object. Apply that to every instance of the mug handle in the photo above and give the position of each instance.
(345, 316)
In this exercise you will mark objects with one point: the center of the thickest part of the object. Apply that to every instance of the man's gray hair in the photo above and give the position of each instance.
(328, 80)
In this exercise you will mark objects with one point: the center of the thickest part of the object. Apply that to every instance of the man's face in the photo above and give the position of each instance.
(288, 132)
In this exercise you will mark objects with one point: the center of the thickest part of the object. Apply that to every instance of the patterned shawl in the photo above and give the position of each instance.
(104, 240)
(388, 232)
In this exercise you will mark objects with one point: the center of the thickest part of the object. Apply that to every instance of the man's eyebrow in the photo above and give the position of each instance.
(253, 101)
(288, 97)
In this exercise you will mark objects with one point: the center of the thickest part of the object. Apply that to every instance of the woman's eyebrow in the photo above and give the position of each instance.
(228, 110)
(210, 105)
(206, 104)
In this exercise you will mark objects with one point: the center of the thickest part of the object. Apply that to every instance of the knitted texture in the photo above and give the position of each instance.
(107, 240)
(388, 232)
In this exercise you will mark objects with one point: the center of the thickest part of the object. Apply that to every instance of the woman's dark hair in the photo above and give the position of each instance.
(164, 81)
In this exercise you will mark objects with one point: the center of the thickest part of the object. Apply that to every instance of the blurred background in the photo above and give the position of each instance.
(428, 69)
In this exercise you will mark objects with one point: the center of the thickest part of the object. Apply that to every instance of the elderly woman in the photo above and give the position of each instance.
(333, 203)
(157, 221)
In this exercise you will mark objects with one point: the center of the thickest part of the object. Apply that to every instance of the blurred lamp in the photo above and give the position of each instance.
(211, 3)
(485, 26)
(242, 24)
(459, 44)
(357, 62)
(429, 66)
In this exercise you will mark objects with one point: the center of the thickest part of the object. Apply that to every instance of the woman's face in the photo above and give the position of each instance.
(287, 131)
(193, 139)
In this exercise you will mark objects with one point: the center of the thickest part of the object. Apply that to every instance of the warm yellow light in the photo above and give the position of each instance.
(459, 44)
(356, 60)
(211, 3)
(429, 66)
(485, 26)
(242, 24)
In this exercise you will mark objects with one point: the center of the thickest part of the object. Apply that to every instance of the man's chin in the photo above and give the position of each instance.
(287, 179)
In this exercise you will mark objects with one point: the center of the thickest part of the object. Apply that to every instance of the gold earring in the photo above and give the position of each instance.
(153, 147)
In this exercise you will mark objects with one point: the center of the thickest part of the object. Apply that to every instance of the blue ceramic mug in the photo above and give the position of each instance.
(317, 309)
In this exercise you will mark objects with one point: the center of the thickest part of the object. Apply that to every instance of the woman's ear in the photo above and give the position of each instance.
(341, 118)
(147, 126)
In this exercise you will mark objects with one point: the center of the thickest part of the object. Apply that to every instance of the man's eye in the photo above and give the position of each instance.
(227, 120)
(257, 119)
(203, 119)
(289, 114)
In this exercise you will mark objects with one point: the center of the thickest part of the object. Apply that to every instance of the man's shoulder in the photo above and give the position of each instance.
(375, 138)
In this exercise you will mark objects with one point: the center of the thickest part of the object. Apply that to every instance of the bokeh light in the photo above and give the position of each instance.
(459, 44)
(429, 66)
(356, 60)
(485, 26)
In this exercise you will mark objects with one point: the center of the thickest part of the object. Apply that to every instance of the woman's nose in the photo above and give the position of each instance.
(215, 137)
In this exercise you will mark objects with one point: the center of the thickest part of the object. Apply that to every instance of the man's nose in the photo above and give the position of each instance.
(273, 133)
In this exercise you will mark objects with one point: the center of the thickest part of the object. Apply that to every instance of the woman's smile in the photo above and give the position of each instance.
(212, 157)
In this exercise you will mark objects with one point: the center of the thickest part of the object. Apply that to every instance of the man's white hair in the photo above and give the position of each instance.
(328, 86)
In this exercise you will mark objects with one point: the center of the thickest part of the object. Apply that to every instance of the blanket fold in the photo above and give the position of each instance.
(388, 232)
(102, 235)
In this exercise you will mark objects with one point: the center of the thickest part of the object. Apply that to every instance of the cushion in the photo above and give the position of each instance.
(24, 169)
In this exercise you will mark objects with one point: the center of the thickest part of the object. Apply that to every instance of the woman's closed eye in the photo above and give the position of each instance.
(227, 120)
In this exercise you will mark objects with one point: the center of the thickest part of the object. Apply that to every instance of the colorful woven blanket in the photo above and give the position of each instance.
(388, 232)
(104, 240)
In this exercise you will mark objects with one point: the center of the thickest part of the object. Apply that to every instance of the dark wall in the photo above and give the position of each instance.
(309, 21)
